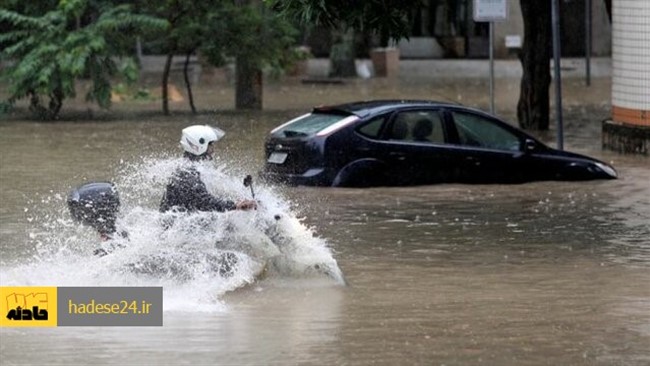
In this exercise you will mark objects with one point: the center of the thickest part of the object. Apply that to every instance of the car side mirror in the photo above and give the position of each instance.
(530, 145)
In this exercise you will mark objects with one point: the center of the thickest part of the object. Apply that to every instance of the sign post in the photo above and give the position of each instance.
(491, 11)
(588, 42)
(557, 71)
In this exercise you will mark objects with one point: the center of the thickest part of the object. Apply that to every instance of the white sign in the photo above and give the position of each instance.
(490, 10)
(513, 41)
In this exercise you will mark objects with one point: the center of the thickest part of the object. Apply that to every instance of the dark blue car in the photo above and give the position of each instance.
(396, 143)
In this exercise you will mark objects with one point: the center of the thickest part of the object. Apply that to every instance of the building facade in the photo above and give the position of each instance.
(629, 128)
(446, 29)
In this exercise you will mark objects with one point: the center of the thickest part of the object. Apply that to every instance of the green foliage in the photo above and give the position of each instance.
(254, 33)
(187, 22)
(143, 94)
(48, 53)
(389, 19)
(127, 91)
(50, 44)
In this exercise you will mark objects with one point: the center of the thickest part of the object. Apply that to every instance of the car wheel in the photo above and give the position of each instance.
(360, 175)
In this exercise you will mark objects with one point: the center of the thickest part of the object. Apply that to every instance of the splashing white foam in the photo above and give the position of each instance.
(195, 257)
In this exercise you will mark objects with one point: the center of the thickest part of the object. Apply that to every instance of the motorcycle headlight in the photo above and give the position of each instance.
(607, 169)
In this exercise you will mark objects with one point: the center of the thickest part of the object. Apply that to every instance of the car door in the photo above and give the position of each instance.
(413, 145)
(353, 158)
(488, 150)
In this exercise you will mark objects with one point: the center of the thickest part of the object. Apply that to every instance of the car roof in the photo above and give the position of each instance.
(372, 107)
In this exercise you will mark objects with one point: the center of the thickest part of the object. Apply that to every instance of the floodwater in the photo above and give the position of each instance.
(549, 273)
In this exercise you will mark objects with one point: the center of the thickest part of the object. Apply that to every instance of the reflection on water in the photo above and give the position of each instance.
(535, 219)
(539, 273)
(271, 324)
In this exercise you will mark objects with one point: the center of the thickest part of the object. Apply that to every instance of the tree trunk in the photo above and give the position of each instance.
(188, 85)
(36, 107)
(248, 77)
(533, 105)
(342, 54)
(56, 102)
(165, 83)
(248, 89)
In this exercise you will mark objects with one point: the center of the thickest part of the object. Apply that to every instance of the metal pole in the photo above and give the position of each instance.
(557, 77)
(588, 41)
(492, 67)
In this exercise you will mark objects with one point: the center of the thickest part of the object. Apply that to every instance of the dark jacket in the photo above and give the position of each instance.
(187, 192)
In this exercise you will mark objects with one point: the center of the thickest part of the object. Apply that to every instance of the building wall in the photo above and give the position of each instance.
(631, 62)
(514, 26)
(601, 29)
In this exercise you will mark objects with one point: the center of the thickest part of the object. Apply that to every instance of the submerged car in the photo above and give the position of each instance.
(397, 143)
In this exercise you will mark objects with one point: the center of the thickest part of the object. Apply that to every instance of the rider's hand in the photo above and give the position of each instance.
(247, 205)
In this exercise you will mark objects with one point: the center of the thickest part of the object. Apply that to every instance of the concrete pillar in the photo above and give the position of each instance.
(629, 129)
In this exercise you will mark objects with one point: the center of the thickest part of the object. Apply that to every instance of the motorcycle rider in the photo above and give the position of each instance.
(186, 191)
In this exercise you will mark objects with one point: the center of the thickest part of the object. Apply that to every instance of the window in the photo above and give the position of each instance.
(309, 124)
(478, 131)
(417, 126)
(372, 128)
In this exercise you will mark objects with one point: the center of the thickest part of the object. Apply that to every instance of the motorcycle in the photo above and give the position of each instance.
(266, 245)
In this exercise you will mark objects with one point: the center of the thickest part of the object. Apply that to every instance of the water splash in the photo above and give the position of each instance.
(195, 257)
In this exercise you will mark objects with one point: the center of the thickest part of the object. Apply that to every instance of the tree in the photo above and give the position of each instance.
(249, 33)
(186, 32)
(343, 53)
(78, 39)
(387, 19)
(256, 37)
(533, 105)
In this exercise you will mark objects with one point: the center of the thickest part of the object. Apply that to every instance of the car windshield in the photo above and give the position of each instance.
(308, 124)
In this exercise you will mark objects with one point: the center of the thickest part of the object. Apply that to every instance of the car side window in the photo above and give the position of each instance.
(417, 126)
(474, 130)
(372, 129)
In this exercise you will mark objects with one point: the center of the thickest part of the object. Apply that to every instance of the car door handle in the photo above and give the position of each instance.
(399, 156)
(473, 160)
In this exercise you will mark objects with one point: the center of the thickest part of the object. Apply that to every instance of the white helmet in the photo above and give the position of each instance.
(195, 139)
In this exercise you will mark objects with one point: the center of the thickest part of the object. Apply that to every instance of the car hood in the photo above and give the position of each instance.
(602, 166)
(569, 154)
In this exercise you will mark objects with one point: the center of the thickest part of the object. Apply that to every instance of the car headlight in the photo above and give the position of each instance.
(607, 169)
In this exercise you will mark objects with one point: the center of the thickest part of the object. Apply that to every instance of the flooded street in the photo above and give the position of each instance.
(547, 273)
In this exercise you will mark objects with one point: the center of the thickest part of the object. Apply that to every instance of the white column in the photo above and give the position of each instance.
(631, 62)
